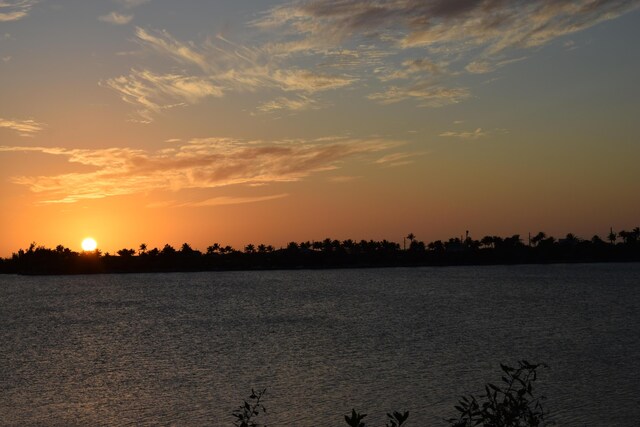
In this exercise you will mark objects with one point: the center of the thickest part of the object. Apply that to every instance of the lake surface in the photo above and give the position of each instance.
(186, 349)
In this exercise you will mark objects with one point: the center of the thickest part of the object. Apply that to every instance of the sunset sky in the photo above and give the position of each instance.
(240, 122)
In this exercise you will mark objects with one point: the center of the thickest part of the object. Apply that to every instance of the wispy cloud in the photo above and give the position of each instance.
(155, 92)
(343, 178)
(165, 44)
(427, 93)
(570, 45)
(476, 134)
(200, 163)
(419, 48)
(14, 10)
(238, 66)
(398, 159)
(483, 35)
(496, 25)
(214, 68)
(23, 127)
(217, 201)
(308, 81)
(415, 67)
(482, 66)
(230, 200)
(116, 18)
(299, 103)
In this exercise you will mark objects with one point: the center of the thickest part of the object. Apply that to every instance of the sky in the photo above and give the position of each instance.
(236, 122)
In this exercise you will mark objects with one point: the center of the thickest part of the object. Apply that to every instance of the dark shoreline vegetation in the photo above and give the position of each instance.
(623, 246)
(511, 403)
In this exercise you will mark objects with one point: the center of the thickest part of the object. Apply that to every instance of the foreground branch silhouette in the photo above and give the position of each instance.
(246, 414)
(512, 404)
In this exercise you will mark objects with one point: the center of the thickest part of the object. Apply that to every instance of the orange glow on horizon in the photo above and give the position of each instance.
(187, 142)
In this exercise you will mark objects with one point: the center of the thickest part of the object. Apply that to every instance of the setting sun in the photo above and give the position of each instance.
(89, 244)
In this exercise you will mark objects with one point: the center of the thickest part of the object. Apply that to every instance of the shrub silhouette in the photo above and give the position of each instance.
(396, 419)
(247, 413)
(511, 405)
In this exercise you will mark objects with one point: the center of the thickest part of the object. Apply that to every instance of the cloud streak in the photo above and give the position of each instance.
(15, 10)
(308, 81)
(25, 128)
(165, 44)
(417, 48)
(493, 24)
(427, 93)
(476, 134)
(397, 159)
(299, 103)
(157, 92)
(483, 35)
(200, 163)
(116, 18)
(213, 69)
(230, 200)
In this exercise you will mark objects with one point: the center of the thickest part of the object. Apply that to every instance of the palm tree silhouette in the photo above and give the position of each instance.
(411, 237)
(538, 238)
(168, 250)
(571, 239)
(487, 241)
(213, 248)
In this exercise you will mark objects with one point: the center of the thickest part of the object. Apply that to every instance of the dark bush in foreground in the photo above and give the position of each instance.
(247, 413)
(512, 404)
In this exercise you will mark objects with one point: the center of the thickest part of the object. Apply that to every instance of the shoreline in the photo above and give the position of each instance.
(315, 268)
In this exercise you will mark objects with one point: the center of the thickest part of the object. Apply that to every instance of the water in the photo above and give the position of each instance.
(185, 349)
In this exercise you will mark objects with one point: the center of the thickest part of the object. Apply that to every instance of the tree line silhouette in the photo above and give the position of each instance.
(329, 253)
